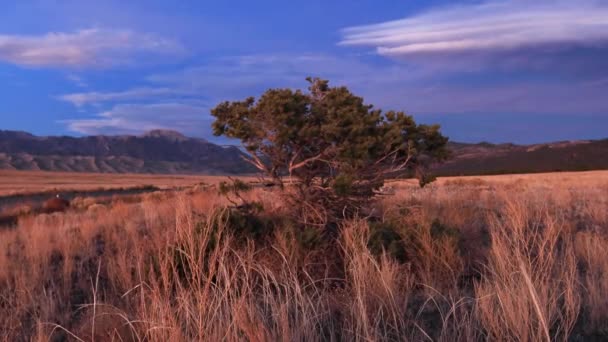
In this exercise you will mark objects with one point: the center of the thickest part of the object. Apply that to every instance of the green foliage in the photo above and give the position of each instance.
(236, 186)
(384, 237)
(246, 224)
(441, 231)
(343, 185)
(308, 237)
(426, 179)
(339, 149)
(232, 190)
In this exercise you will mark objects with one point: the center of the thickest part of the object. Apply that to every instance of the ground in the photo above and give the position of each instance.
(16, 182)
(513, 257)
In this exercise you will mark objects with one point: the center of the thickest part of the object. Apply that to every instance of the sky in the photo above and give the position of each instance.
(495, 70)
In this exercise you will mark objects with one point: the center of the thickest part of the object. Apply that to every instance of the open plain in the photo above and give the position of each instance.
(23, 182)
(474, 258)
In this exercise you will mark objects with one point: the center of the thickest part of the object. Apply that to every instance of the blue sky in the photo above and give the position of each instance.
(496, 70)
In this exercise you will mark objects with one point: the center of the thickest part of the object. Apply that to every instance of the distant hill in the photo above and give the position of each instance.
(169, 152)
(488, 159)
(158, 151)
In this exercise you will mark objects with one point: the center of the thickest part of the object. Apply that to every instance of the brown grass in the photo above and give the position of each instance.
(26, 182)
(498, 258)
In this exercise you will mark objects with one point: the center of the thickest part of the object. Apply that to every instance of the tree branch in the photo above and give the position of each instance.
(304, 162)
(255, 161)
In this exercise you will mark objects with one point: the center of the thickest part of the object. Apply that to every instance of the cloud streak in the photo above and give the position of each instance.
(386, 85)
(393, 86)
(490, 27)
(83, 48)
(87, 98)
(139, 118)
(241, 76)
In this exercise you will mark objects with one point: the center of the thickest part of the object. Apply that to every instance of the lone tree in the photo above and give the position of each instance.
(335, 150)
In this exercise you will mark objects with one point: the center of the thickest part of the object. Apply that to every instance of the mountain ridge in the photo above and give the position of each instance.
(158, 151)
(170, 152)
(487, 159)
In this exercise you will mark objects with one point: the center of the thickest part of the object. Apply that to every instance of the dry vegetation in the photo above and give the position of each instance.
(19, 182)
(493, 258)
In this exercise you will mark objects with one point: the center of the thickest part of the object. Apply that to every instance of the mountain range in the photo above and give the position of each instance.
(169, 152)
(489, 159)
(157, 151)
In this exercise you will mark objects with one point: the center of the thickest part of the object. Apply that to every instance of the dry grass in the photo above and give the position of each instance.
(496, 258)
(19, 182)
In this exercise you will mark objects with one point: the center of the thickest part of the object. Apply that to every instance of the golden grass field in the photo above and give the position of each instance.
(14, 182)
(20, 182)
(498, 258)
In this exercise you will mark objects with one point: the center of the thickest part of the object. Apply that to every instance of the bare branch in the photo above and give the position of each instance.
(304, 162)
(255, 161)
(393, 153)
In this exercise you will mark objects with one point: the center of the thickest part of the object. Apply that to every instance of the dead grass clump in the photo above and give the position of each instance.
(55, 205)
(465, 182)
(22, 209)
(592, 253)
(378, 290)
(83, 203)
(529, 290)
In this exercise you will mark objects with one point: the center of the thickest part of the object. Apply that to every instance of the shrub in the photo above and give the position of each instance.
(441, 231)
(384, 238)
(336, 149)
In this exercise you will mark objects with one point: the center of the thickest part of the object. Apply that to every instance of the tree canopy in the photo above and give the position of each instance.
(337, 150)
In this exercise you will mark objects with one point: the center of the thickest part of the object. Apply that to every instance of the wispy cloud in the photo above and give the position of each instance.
(139, 118)
(489, 27)
(83, 48)
(86, 98)
(386, 85)
(389, 86)
(181, 100)
(77, 80)
(569, 98)
(239, 76)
